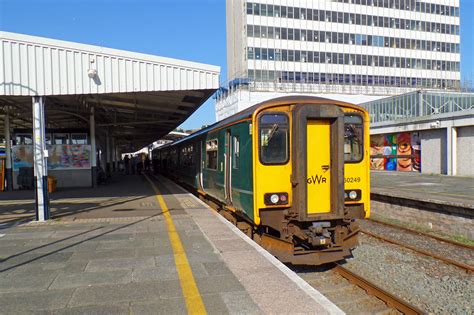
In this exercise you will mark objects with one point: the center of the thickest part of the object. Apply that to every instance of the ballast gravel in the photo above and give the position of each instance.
(425, 282)
(457, 253)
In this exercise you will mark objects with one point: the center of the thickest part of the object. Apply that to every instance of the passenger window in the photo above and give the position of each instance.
(211, 153)
(353, 138)
(274, 144)
(236, 153)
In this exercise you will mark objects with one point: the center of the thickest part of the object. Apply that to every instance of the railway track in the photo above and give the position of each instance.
(466, 267)
(353, 293)
(441, 239)
(373, 290)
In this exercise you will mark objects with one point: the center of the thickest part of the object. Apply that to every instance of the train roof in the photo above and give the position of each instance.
(248, 112)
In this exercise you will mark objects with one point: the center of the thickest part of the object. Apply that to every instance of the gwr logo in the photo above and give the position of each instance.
(316, 180)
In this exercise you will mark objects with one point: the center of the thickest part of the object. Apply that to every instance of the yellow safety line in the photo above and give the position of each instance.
(191, 294)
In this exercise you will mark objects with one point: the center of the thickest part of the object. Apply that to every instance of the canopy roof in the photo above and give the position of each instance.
(139, 97)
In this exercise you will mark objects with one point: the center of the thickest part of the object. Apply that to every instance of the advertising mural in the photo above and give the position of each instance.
(22, 156)
(61, 157)
(396, 152)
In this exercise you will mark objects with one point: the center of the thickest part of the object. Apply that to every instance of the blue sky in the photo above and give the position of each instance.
(184, 29)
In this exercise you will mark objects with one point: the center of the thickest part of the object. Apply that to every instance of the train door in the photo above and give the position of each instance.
(228, 167)
(318, 133)
(318, 165)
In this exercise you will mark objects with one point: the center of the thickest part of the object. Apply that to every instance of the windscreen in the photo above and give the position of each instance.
(274, 138)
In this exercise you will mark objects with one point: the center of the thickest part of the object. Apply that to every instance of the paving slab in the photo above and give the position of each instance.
(109, 294)
(19, 302)
(83, 279)
(91, 310)
(162, 307)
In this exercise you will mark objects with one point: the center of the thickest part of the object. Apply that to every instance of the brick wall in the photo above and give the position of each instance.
(436, 221)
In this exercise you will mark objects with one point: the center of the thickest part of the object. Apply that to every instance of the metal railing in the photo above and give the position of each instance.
(418, 104)
(401, 103)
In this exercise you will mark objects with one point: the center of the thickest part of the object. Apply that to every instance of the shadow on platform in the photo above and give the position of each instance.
(121, 196)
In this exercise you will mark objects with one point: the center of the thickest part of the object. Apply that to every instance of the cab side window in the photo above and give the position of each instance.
(353, 138)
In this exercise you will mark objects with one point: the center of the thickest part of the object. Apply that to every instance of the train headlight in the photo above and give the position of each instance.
(352, 195)
(273, 199)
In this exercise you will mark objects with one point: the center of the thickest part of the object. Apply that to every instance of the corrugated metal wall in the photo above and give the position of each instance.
(30, 67)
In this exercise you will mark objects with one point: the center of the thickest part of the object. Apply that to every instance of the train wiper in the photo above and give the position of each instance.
(272, 132)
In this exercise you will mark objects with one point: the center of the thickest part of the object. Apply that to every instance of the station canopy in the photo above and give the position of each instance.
(139, 98)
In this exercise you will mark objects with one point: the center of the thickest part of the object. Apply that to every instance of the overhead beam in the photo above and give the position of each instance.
(134, 123)
(157, 99)
(152, 108)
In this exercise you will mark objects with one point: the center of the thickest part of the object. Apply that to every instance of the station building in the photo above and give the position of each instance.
(349, 50)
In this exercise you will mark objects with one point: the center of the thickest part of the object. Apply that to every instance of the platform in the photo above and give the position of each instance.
(126, 248)
(433, 203)
(442, 189)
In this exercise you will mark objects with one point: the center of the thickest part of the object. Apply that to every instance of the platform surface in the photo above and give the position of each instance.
(453, 190)
(115, 250)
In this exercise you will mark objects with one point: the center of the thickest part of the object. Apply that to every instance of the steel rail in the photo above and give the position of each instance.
(466, 267)
(372, 289)
(441, 239)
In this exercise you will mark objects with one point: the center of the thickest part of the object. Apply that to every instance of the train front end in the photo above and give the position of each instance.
(311, 178)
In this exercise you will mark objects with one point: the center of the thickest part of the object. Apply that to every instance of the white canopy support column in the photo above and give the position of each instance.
(93, 148)
(451, 143)
(8, 149)
(39, 160)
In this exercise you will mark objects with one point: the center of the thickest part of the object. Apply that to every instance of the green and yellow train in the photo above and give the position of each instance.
(292, 172)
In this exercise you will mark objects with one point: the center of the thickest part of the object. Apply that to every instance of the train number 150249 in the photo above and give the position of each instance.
(351, 179)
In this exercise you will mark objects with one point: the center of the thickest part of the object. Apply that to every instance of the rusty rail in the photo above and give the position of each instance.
(466, 267)
(374, 290)
(441, 239)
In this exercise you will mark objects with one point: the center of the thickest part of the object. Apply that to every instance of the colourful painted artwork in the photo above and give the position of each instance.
(22, 156)
(61, 157)
(390, 152)
(396, 152)
(376, 152)
(404, 161)
(69, 157)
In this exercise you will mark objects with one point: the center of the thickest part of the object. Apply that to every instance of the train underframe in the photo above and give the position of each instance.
(310, 242)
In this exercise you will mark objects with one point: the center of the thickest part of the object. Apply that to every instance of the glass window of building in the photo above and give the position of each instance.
(78, 138)
(23, 138)
(61, 138)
